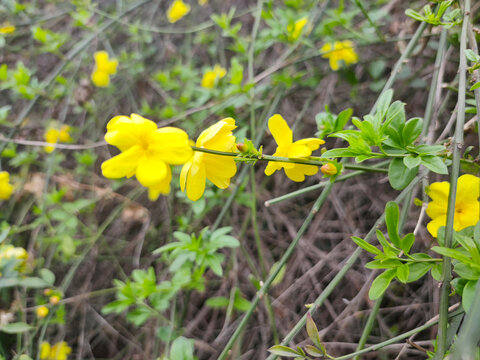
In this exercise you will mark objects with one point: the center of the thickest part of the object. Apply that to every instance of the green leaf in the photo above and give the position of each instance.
(366, 246)
(383, 103)
(33, 282)
(241, 304)
(139, 315)
(388, 249)
(391, 220)
(399, 175)
(312, 331)
(48, 276)
(412, 130)
(417, 270)
(217, 302)
(453, 253)
(435, 164)
(475, 86)
(383, 264)
(16, 328)
(215, 263)
(412, 161)
(182, 349)
(395, 116)
(437, 271)
(313, 351)
(407, 242)
(414, 15)
(381, 283)
(402, 273)
(468, 294)
(278, 279)
(427, 149)
(342, 119)
(471, 56)
(281, 350)
(184, 238)
(340, 152)
(467, 271)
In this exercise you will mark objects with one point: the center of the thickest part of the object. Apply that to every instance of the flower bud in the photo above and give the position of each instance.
(54, 299)
(242, 147)
(42, 311)
(47, 292)
(328, 169)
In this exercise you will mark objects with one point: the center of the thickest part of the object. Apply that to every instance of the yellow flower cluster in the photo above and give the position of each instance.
(59, 351)
(296, 29)
(467, 206)
(52, 136)
(6, 188)
(7, 28)
(104, 67)
(9, 252)
(148, 151)
(177, 10)
(211, 76)
(339, 51)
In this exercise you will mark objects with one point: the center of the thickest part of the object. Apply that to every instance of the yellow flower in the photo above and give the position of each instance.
(7, 28)
(467, 206)
(287, 148)
(341, 50)
(42, 311)
(209, 78)
(6, 189)
(103, 69)
(216, 168)
(177, 10)
(52, 136)
(11, 252)
(147, 152)
(59, 351)
(296, 29)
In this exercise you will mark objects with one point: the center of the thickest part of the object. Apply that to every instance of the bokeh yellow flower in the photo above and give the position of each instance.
(216, 168)
(6, 188)
(9, 252)
(211, 76)
(467, 206)
(7, 28)
(287, 148)
(202, 2)
(42, 311)
(295, 30)
(339, 51)
(53, 135)
(177, 10)
(59, 351)
(146, 152)
(104, 67)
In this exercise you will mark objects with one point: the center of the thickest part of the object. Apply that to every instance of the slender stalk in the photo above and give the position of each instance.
(263, 290)
(476, 76)
(369, 325)
(457, 144)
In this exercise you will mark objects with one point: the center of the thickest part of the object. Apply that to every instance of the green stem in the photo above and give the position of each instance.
(457, 144)
(263, 290)
(369, 325)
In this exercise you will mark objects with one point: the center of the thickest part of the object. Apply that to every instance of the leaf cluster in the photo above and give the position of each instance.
(451, 18)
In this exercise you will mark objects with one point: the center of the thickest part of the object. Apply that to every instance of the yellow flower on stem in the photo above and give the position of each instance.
(7, 28)
(59, 351)
(295, 30)
(287, 148)
(52, 136)
(467, 206)
(104, 67)
(146, 152)
(218, 169)
(339, 51)
(177, 10)
(6, 189)
(209, 78)
(42, 311)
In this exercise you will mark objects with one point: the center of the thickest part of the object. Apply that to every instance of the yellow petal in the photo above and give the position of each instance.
(177, 10)
(468, 188)
(208, 80)
(280, 130)
(124, 132)
(311, 143)
(123, 164)
(184, 174)
(218, 130)
(435, 224)
(196, 178)
(151, 171)
(100, 78)
(298, 151)
(272, 166)
(44, 351)
(161, 188)
(171, 145)
(438, 192)
(298, 172)
(219, 169)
